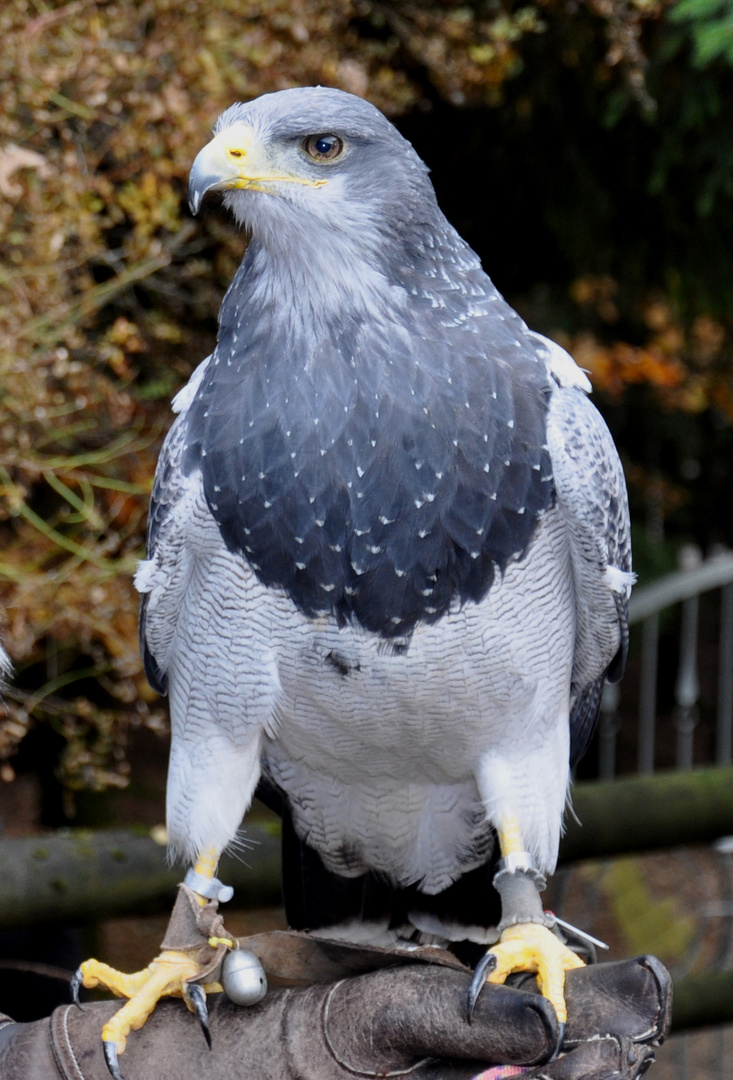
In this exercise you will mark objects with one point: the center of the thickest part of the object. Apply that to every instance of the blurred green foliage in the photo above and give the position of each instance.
(711, 25)
(584, 149)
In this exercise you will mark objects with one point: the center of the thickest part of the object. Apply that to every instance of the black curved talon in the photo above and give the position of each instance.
(484, 967)
(77, 981)
(195, 996)
(560, 1041)
(110, 1056)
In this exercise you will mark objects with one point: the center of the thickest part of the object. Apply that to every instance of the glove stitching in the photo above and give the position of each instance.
(344, 1064)
(646, 1035)
(636, 1038)
(63, 1018)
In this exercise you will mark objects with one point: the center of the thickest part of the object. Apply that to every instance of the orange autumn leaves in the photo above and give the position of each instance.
(687, 367)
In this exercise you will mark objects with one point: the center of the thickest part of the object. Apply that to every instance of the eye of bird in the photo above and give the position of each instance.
(323, 147)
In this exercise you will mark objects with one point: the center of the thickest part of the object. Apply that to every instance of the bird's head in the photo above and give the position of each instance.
(314, 163)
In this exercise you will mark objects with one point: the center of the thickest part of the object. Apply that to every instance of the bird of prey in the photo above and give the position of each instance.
(388, 559)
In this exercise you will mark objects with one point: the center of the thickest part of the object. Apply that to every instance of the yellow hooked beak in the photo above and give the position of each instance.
(234, 159)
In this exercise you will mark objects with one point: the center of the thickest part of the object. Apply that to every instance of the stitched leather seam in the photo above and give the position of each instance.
(64, 1054)
(344, 1064)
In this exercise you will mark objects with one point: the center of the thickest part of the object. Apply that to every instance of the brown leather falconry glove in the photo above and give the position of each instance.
(406, 1020)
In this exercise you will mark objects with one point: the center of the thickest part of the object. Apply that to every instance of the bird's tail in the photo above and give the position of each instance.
(370, 908)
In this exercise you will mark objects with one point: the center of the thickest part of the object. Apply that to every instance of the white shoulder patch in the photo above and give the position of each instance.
(561, 364)
(183, 399)
(619, 581)
(145, 578)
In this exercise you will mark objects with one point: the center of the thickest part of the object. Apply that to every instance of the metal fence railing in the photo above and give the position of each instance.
(684, 588)
(682, 645)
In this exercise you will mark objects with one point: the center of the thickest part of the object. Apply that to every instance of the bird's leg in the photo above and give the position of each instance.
(527, 942)
(188, 965)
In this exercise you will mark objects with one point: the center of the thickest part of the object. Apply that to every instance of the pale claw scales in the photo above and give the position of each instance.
(93, 974)
(195, 998)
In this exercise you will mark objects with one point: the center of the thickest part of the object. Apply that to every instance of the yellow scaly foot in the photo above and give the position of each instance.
(167, 975)
(526, 942)
(198, 928)
(533, 948)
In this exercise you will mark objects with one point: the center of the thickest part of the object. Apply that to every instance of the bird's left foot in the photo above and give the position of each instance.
(533, 948)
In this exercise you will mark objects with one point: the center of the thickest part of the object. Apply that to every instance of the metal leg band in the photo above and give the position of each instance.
(518, 860)
(210, 888)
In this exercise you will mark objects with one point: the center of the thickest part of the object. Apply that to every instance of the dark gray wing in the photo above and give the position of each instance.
(161, 578)
(591, 494)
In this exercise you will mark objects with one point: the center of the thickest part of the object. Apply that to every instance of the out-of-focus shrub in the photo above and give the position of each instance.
(109, 291)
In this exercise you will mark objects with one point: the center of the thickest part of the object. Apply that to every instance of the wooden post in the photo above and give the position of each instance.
(79, 876)
(640, 813)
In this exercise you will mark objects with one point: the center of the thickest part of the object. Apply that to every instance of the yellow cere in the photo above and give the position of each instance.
(240, 149)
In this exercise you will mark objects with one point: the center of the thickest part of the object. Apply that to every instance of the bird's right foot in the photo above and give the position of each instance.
(189, 966)
(168, 975)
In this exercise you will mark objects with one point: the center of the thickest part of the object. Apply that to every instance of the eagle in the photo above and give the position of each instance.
(388, 559)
